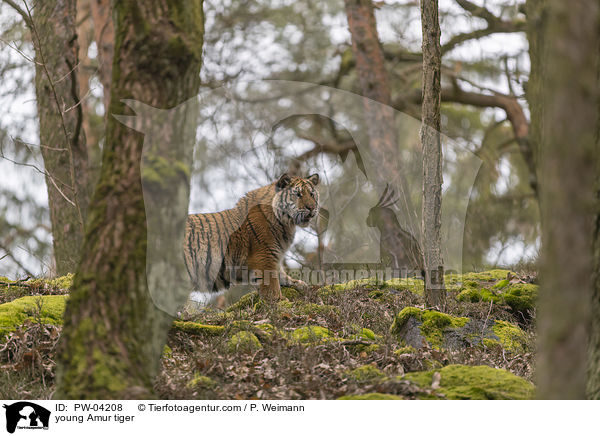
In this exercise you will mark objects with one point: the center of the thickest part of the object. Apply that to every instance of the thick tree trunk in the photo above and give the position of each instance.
(435, 294)
(568, 157)
(62, 139)
(114, 333)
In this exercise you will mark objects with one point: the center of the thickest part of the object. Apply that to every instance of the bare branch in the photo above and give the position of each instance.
(20, 11)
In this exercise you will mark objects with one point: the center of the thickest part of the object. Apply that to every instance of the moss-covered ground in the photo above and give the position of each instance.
(340, 341)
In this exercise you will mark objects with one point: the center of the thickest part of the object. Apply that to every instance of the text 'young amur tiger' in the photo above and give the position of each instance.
(255, 234)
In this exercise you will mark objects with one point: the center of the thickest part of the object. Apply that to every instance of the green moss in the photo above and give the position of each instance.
(291, 293)
(195, 328)
(246, 302)
(405, 350)
(511, 337)
(434, 324)
(491, 343)
(244, 342)
(475, 383)
(167, 352)
(371, 396)
(406, 284)
(501, 284)
(491, 275)
(201, 382)
(48, 309)
(365, 374)
(311, 334)
(401, 318)
(521, 297)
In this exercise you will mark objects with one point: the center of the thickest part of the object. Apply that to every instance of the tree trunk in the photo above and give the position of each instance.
(435, 293)
(568, 157)
(113, 332)
(62, 139)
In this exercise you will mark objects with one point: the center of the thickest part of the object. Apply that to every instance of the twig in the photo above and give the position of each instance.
(20, 11)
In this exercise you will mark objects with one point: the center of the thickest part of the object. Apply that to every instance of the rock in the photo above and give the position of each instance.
(419, 328)
(460, 382)
(244, 342)
(311, 335)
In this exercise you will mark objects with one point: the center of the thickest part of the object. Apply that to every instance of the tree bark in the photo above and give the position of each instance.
(568, 161)
(435, 293)
(113, 332)
(62, 139)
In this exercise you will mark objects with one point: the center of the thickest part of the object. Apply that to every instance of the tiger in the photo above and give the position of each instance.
(253, 236)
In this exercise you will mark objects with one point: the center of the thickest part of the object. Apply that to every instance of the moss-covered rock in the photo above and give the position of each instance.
(460, 382)
(418, 328)
(311, 334)
(247, 301)
(371, 396)
(405, 350)
(487, 286)
(510, 336)
(48, 309)
(456, 280)
(432, 326)
(365, 374)
(521, 297)
(195, 328)
(244, 342)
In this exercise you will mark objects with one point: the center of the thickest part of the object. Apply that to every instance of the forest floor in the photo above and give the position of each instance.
(364, 339)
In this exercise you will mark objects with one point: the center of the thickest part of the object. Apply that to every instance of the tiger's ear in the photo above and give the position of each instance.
(283, 181)
(314, 179)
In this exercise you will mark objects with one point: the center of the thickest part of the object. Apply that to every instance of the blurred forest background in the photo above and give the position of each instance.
(485, 71)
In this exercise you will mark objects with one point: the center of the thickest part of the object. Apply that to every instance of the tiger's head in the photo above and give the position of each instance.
(296, 199)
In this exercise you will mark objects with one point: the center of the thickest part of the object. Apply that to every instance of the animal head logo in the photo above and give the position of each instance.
(27, 415)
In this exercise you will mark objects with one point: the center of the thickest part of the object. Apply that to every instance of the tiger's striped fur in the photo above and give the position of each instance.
(255, 234)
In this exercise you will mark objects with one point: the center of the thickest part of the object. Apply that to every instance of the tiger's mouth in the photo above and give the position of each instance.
(303, 218)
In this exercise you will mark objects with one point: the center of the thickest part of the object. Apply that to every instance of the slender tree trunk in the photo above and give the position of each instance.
(114, 333)
(568, 157)
(435, 294)
(62, 139)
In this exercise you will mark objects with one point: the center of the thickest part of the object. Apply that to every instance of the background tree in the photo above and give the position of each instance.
(113, 333)
(52, 26)
(568, 156)
(435, 294)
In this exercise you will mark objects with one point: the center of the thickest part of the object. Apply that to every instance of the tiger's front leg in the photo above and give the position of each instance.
(292, 282)
(266, 268)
